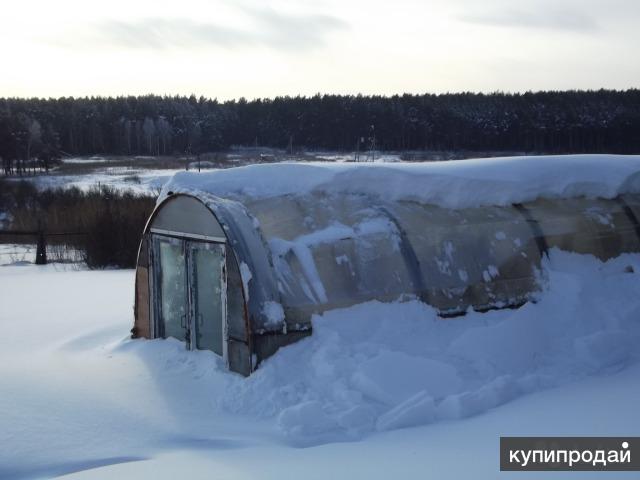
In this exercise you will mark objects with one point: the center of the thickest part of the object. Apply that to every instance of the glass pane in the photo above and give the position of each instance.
(207, 290)
(173, 290)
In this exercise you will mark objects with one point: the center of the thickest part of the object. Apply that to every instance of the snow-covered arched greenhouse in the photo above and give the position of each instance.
(237, 261)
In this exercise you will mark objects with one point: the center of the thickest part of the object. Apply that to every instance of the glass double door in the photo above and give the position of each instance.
(191, 292)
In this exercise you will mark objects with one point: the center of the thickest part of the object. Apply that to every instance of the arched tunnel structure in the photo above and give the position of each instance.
(242, 275)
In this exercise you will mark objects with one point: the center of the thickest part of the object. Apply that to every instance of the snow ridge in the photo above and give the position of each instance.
(453, 184)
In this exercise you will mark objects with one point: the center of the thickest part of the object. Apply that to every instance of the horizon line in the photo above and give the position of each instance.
(325, 94)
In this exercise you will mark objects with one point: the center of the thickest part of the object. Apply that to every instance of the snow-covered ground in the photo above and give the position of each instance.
(122, 178)
(15, 254)
(378, 390)
(365, 156)
(140, 174)
(454, 184)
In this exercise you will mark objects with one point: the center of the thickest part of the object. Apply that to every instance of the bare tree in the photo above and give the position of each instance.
(34, 139)
(149, 129)
(126, 133)
(194, 141)
(164, 134)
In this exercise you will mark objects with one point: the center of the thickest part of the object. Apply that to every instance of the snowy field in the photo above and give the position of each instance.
(142, 174)
(378, 391)
(14, 254)
(494, 181)
(137, 180)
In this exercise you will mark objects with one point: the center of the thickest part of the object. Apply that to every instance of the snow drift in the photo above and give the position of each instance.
(77, 395)
(379, 366)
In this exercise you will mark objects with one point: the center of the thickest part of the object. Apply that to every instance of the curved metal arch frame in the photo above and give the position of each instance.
(246, 239)
(229, 241)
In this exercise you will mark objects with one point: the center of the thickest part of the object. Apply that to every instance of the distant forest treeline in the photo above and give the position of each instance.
(568, 121)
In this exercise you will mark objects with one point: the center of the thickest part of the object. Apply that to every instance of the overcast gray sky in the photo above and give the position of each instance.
(228, 49)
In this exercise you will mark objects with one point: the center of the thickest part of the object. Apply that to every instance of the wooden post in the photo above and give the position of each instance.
(41, 249)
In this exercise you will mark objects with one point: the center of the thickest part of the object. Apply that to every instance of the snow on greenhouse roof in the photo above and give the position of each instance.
(452, 184)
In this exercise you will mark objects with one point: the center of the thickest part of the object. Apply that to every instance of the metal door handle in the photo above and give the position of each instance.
(183, 320)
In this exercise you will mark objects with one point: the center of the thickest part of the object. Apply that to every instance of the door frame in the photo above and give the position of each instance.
(186, 241)
(190, 245)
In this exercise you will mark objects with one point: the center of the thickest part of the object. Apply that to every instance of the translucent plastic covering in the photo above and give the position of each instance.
(604, 228)
(293, 255)
(340, 250)
(318, 251)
